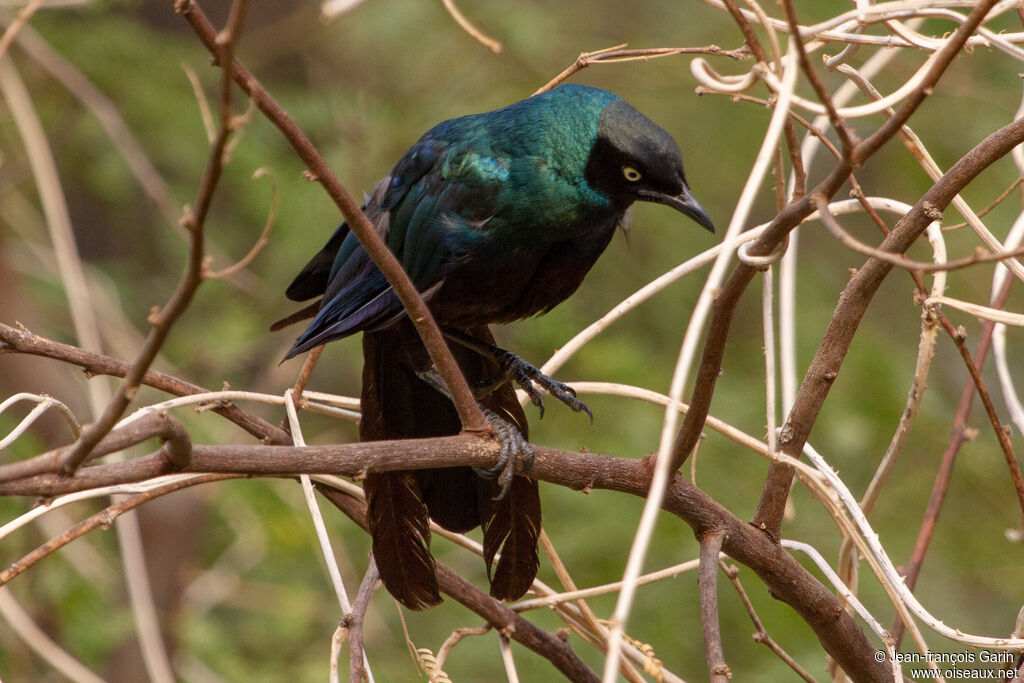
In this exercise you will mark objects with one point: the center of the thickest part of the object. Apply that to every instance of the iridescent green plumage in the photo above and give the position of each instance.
(495, 217)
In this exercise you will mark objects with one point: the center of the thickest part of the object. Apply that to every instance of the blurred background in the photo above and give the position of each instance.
(235, 566)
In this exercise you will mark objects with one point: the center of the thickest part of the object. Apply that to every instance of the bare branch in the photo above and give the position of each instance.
(556, 650)
(785, 221)
(846, 138)
(356, 619)
(469, 413)
(958, 436)
(785, 577)
(102, 519)
(710, 546)
(467, 26)
(852, 306)
(610, 55)
(760, 633)
(830, 222)
(163, 320)
(262, 241)
(17, 340)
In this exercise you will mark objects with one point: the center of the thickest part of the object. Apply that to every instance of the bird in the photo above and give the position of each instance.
(495, 217)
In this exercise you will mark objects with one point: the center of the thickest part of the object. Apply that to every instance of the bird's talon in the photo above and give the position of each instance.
(514, 448)
(529, 377)
(490, 472)
(528, 457)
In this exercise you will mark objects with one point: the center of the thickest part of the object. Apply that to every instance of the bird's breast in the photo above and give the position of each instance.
(513, 279)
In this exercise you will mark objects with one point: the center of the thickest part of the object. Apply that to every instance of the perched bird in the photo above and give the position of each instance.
(495, 217)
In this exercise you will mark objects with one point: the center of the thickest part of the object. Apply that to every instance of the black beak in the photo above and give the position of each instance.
(683, 202)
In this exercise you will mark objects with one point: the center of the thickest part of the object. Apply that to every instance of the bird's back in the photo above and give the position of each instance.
(490, 215)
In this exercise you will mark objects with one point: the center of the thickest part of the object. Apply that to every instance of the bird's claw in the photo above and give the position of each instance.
(535, 396)
(514, 448)
(526, 375)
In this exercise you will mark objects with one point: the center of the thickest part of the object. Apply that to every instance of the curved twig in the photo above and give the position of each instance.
(261, 241)
(610, 55)
(477, 35)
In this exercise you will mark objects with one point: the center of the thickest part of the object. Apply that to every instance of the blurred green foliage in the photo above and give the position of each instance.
(364, 86)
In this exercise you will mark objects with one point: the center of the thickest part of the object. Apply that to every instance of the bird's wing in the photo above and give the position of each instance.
(429, 211)
(313, 278)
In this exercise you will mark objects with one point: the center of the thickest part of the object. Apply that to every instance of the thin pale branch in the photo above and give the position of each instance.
(900, 260)
(163, 320)
(262, 241)
(497, 614)
(786, 578)
(102, 519)
(846, 138)
(958, 436)
(21, 19)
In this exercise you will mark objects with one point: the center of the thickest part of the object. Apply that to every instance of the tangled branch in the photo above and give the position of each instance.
(783, 66)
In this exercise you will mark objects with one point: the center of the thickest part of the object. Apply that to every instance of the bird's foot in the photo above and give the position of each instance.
(514, 448)
(529, 377)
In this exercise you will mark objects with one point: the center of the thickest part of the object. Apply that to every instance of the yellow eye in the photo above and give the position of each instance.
(631, 174)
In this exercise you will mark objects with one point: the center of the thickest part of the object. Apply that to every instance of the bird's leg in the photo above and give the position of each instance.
(514, 446)
(524, 374)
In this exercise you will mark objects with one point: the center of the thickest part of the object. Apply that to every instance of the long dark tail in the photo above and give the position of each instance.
(396, 404)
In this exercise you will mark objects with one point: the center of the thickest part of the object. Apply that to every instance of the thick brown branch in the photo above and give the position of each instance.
(781, 225)
(761, 635)
(776, 488)
(156, 424)
(943, 58)
(725, 305)
(784, 576)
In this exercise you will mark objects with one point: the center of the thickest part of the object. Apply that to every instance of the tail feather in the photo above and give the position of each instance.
(396, 404)
(401, 538)
(445, 492)
(513, 526)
